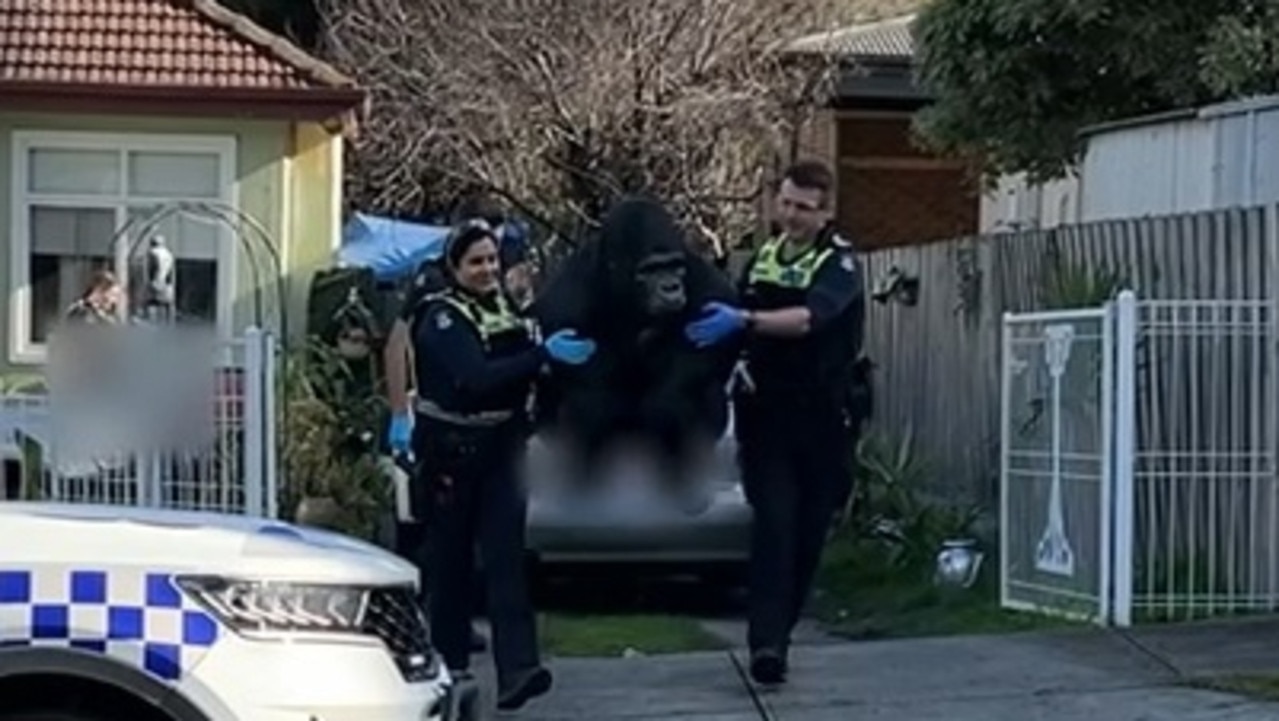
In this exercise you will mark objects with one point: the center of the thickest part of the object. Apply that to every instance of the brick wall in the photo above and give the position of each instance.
(817, 137)
(892, 192)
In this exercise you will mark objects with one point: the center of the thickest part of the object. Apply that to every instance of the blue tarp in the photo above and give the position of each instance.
(392, 249)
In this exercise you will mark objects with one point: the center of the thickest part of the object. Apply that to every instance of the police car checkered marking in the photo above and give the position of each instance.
(137, 617)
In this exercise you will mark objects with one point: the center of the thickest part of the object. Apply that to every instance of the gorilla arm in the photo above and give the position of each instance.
(697, 377)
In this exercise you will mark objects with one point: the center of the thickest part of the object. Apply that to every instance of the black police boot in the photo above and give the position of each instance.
(768, 667)
(479, 644)
(523, 686)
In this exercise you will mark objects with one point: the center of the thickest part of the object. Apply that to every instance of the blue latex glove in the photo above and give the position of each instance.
(566, 347)
(401, 430)
(718, 321)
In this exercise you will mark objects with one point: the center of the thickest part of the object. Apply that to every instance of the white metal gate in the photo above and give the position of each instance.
(1151, 454)
(229, 465)
(1055, 475)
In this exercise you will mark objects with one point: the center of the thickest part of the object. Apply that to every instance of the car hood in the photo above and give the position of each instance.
(191, 542)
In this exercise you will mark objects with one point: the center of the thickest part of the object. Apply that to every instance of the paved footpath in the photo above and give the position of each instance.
(1084, 675)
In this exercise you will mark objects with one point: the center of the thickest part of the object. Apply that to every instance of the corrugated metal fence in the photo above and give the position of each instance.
(938, 373)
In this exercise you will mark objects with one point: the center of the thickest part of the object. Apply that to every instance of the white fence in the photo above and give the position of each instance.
(230, 467)
(1139, 477)
(1056, 475)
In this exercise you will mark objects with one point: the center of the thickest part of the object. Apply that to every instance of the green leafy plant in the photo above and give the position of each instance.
(1069, 285)
(891, 506)
(330, 415)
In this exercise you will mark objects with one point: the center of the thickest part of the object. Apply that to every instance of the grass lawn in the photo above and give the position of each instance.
(861, 598)
(610, 635)
(1261, 687)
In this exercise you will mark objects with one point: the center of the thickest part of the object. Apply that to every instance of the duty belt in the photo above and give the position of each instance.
(475, 420)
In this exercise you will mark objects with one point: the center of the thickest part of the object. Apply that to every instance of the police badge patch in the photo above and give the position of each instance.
(442, 320)
(848, 263)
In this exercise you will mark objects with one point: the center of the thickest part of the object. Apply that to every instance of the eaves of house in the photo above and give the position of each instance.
(876, 58)
(188, 57)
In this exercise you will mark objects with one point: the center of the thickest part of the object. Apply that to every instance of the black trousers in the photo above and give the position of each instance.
(796, 466)
(469, 494)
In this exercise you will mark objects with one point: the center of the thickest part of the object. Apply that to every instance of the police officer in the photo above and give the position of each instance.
(802, 325)
(429, 279)
(476, 360)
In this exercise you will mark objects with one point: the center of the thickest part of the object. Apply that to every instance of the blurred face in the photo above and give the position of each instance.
(106, 297)
(801, 212)
(478, 270)
(519, 281)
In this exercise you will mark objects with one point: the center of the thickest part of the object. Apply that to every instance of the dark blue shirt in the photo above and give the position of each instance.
(819, 361)
(458, 373)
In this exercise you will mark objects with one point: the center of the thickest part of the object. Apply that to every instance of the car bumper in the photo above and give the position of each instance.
(301, 681)
(558, 534)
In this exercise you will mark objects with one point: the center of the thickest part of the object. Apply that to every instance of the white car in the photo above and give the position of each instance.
(111, 613)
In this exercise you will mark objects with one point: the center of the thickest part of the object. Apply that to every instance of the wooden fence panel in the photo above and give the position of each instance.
(939, 360)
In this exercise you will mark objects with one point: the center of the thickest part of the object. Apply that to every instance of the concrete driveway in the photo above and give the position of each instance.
(1087, 675)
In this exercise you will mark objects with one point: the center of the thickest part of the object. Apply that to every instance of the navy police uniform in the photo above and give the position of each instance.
(796, 437)
(475, 361)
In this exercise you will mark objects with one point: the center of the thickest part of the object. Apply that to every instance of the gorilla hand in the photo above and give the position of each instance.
(566, 347)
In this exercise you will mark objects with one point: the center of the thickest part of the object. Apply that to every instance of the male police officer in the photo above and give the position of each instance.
(802, 319)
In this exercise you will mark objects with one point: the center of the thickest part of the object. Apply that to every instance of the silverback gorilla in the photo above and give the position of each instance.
(632, 289)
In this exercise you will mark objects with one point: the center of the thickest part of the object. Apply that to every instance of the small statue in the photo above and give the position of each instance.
(161, 280)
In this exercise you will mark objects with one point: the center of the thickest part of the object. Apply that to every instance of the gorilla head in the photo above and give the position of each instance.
(646, 258)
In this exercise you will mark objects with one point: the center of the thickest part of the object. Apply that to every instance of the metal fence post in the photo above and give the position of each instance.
(254, 426)
(1123, 457)
(270, 431)
(1005, 442)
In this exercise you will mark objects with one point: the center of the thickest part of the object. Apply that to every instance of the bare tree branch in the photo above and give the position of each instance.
(560, 106)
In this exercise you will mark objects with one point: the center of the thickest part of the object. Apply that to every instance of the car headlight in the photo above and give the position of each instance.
(264, 606)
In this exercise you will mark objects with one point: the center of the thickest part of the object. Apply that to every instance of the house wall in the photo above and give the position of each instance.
(286, 184)
(1190, 161)
(1014, 204)
(817, 137)
(893, 192)
(314, 170)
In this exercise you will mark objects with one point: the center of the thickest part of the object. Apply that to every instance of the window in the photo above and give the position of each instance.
(72, 194)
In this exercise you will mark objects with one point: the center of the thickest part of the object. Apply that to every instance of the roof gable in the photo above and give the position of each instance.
(883, 39)
(151, 43)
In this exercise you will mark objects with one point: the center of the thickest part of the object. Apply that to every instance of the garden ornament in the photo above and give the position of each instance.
(958, 563)
(897, 285)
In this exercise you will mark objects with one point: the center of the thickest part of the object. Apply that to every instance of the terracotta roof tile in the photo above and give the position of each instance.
(189, 43)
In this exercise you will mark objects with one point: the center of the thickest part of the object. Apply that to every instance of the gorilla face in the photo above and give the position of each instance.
(659, 279)
(645, 252)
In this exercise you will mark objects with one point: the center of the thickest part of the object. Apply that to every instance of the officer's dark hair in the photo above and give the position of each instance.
(811, 175)
(463, 237)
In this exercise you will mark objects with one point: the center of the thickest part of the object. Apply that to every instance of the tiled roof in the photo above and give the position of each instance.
(150, 43)
(889, 38)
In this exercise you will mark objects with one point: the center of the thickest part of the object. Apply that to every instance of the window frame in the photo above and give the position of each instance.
(22, 348)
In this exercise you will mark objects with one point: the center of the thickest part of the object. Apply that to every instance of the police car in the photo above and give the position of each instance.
(111, 613)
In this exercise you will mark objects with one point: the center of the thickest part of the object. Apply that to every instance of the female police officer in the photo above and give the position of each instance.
(475, 360)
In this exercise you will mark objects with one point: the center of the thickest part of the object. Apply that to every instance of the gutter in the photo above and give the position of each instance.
(317, 104)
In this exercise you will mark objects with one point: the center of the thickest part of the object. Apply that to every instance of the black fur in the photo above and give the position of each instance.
(646, 380)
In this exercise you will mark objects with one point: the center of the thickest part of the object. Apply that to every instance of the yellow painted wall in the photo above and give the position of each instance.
(287, 185)
(314, 211)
